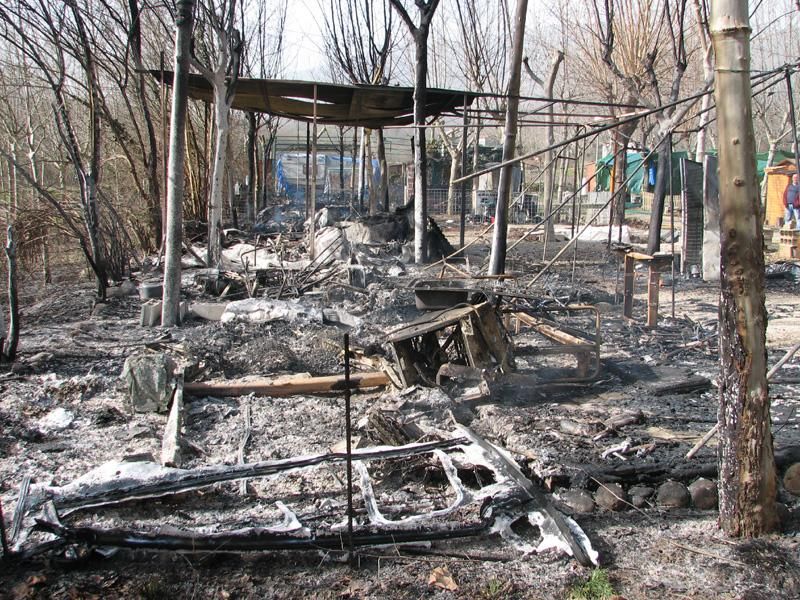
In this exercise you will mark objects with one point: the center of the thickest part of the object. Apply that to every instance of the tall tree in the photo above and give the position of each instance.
(359, 39)
(263, 58)
(184, 23)
(497, 260)
(748, 480)
(419, 32)
(220, 65)
(50, 36)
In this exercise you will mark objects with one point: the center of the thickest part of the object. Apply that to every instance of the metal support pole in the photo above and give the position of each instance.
(463, 172)
(308, 170)
(671, 223)
(348, 437)
(313, 208)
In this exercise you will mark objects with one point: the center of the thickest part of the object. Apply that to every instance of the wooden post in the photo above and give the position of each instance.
(653, 284)
(627, 302)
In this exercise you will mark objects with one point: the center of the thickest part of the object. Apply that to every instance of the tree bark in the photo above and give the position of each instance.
(497, 262)
(420, 147)
(12, 338)
(663, 172)
(549, 175)
(427, 8)
(177, 154)
(252, 160)
(221, 122)
(747, 466)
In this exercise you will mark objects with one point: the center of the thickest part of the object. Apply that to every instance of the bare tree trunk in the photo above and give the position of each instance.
(663, 173)
(427, 8)
(221, 114)
(497, 262)
(708, 73)
(12, 337)
(746, 462)
(252, 160)
(549, 175)
(177, 155)
(420, 149)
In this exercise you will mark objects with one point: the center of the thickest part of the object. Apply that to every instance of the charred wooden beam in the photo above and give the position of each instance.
(286, 387)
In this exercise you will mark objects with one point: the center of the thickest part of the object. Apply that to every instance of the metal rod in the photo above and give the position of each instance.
(671, 224)
(308, 170)
(313, 209)
(349, 449)
(463, 183)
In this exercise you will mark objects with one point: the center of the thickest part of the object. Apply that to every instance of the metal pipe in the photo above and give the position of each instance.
(672, 223)
(348, 436)
(463, 172)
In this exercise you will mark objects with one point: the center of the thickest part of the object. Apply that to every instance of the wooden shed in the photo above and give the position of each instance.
(778, 178)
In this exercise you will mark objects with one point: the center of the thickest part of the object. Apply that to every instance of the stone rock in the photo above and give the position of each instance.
(673, 494)
(640, 494)
(150, 379)
(579, 501)
(791, 479)
(611, 496)
(704, 494)
(56, 420)
(100, 309)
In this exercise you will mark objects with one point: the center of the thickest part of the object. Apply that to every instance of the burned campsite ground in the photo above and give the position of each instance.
(64, 412)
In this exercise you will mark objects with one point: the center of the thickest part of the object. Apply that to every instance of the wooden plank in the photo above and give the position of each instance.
(171, 443)
(286, 387)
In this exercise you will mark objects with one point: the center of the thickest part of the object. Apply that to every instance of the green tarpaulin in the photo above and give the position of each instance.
(645, 176)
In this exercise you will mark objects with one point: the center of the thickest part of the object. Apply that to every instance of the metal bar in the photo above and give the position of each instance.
(313, 209)
(463, 172)
(671, 227)
(130, 487)
(348, 434)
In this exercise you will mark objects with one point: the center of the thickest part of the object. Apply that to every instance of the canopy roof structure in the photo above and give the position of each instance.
(371, 106)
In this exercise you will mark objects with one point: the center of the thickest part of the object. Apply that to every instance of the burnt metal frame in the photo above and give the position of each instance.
(511, 496)
(478, 329)
(568, 340)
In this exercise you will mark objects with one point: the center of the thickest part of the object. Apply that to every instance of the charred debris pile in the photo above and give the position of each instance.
(330, 396)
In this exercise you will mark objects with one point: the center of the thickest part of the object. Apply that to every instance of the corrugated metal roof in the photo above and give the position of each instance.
(362, 105)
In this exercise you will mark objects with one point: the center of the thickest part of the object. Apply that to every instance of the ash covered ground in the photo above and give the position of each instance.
(64, 412)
